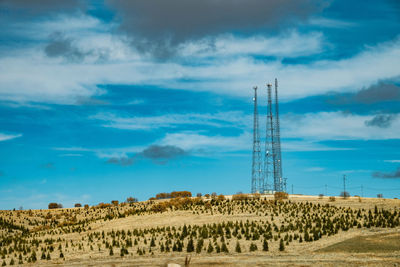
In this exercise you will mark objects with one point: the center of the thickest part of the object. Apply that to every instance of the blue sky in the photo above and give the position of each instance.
(132, 98)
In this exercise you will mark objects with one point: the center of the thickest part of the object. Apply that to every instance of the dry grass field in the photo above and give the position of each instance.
(239, 230)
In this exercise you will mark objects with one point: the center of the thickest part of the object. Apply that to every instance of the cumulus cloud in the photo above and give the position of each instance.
(336, 126)
(157, 26)
(387, 175)
(381, 120)
(60, 46)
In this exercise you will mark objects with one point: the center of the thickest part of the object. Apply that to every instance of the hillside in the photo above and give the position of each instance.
(239, 230)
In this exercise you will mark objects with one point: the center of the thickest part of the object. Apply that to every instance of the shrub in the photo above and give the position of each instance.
(114, 202)
(159, 207)
(198, 194)
(86, 206)
(221, 197)
(379, 195)
(321, 196)
(54, 205)
(131, 200)
(78, 205)
(332, 199)
(281, 195)
(240, 196)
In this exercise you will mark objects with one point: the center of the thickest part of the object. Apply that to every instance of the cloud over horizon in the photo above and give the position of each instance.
(157, 26)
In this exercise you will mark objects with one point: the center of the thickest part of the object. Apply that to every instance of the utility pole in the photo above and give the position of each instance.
(344, 185)
(362, 191)
(326, 190)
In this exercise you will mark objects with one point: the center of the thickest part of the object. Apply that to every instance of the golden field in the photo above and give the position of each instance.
(243, 230)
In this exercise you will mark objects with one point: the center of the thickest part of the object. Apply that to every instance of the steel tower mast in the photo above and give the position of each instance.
(269, 141)
(256, 174)
(278, 159)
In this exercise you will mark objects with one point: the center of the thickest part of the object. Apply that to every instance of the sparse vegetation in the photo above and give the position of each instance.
(269, 225)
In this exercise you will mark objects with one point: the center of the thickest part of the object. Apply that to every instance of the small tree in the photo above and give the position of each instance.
(265, 245)
(190, 246)
(210, 248)
(379, 195)
(78, 205)
(281, 245)
(238, 249)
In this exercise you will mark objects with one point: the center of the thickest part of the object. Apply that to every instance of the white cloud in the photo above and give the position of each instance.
(27, 75)
(393, 161)
(233, 118)
(336, 126)
(198, 142)
(5, 137)
(288, 44)
(330, 23)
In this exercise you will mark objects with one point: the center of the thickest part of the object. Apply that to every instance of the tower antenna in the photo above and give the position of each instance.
(256, 172)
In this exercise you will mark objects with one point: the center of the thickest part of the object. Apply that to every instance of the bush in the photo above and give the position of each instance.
(78, 205)
(115, 202)
(174, 194)
(379, 195)
(159, 207)
(321, 196)
(131, 200)
(281, 195)
(332, 199)
(86, 206)
(198, 194)
(240, 196)
(221, 197)
(54, 205)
